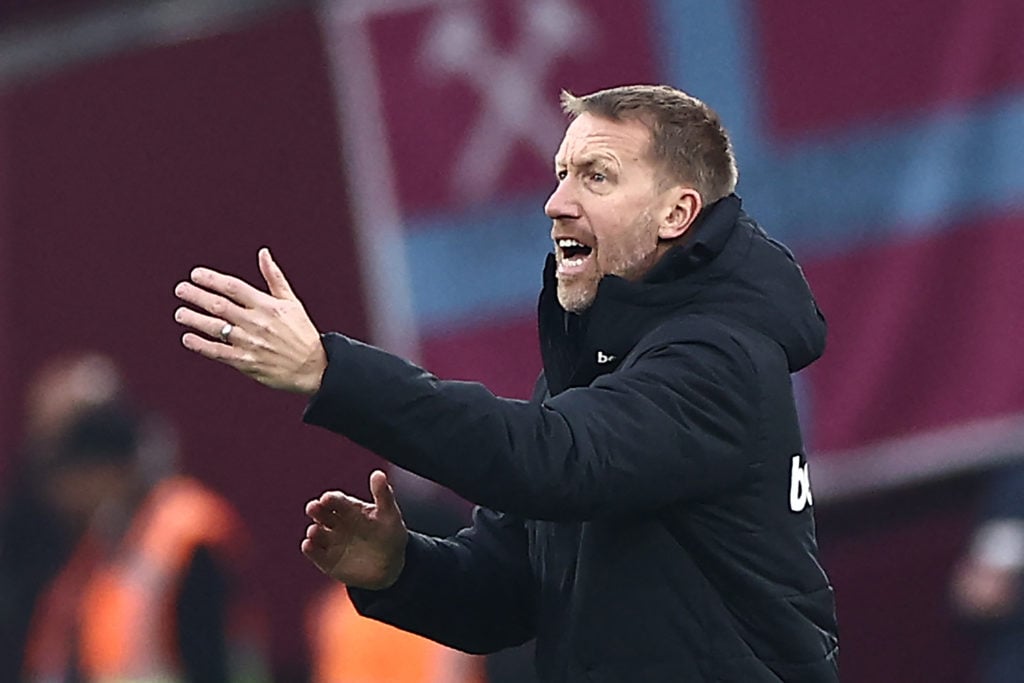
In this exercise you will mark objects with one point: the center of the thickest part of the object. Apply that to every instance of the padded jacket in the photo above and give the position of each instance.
(647, 515)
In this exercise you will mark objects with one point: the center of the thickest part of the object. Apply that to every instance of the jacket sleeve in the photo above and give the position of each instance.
(473, 591)
(675, 423)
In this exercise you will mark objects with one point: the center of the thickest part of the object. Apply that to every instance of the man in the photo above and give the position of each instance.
(987, 582)
(34, 539)
(647, 515)
(151, 590)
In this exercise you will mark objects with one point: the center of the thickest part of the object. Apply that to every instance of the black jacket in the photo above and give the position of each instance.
(654, 524)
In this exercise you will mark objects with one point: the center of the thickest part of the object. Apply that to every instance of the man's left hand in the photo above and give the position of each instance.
(266, 336)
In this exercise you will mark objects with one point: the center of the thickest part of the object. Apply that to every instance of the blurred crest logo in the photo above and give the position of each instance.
(509, 82)
(469, 89)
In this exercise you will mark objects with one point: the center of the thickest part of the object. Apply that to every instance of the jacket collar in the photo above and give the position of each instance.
(576, 349)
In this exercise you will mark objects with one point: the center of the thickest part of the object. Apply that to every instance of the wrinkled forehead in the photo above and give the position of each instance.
(588, 136)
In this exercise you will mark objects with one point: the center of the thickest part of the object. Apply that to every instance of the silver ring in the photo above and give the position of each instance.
(225, 332)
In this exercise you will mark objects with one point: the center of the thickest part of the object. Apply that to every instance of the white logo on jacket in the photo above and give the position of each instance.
(799, 486)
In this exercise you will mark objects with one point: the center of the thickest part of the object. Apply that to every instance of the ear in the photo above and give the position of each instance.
(684, 205)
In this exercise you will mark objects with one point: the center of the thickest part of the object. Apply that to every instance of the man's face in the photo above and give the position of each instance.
(606, 208)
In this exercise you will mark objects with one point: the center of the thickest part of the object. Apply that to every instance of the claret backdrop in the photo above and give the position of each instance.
(396, 154)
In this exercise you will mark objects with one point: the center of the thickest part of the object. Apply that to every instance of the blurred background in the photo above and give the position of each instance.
(396, 155)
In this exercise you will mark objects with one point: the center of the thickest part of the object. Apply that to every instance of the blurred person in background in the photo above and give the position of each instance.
(34, 539)
(988, 584)
(346, 648)
(151, 590)
(648, 514)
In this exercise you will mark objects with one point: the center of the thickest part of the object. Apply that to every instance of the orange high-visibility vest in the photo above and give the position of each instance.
(115, 613)
(349, 648)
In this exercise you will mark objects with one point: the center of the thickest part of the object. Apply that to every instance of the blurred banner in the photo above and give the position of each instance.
(452, 117)
(885, 150)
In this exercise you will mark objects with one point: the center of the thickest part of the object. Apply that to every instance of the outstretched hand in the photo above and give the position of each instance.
(266, 336)
(358, 543)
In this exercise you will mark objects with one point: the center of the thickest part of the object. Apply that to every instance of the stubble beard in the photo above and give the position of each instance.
(577, 294)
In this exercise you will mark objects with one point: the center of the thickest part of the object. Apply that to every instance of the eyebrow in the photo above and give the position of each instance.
(592, 160)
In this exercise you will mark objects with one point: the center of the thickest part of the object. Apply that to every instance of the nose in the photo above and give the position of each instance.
(562, 202)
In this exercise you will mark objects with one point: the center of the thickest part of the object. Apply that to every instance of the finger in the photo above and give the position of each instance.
(233, 288)
(224, 353)
(335, 507)
(319, 535)
(383, 495)
(210, 326)
(320, 514)
(277, 283)
(315, 553)
(214, 304)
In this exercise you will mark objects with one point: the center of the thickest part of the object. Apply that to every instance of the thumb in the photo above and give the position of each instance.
(384, 496)
(277, 283)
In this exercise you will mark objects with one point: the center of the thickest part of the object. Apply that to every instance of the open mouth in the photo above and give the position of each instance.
(573, 252)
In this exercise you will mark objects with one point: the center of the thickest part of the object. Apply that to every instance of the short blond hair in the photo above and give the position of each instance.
(687, 138)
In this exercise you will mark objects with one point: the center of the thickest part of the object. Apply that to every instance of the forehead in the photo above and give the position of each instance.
(594, 136)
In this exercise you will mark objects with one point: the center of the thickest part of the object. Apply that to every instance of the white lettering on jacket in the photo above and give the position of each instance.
(799, 486)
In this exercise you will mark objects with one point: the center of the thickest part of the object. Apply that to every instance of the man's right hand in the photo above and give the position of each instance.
(358, 543)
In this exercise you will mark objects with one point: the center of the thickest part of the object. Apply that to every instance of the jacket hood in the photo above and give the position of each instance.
(727, 267)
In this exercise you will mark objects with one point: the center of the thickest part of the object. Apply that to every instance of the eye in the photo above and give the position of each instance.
(598, 177)
(561, 174)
